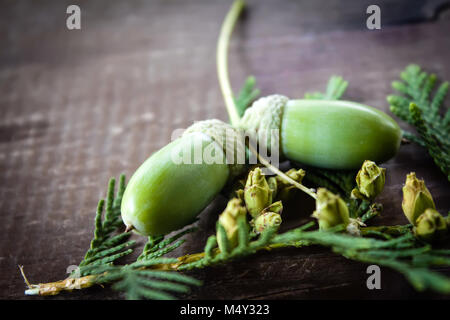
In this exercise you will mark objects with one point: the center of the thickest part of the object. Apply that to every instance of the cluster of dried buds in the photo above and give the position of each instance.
(419, 208)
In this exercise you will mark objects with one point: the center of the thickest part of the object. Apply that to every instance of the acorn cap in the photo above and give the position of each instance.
(229, 138)
(262, 117)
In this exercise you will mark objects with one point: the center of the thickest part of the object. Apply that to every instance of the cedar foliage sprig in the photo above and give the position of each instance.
(158, 246)
(213, 256)
(394, 247)
(131, 279)
(247, 95)
(403, 254)
(138, 281)
(335, 89)
(248, 245)
(416, 105)
(390, 246)
(107, 246)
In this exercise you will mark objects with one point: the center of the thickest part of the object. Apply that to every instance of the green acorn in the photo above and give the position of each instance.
(229, 221)
(331, 210)
(416, 198)
(370, 181)
(257, 193)
(269, 217)
(321, 133)
(430, 226)
(172, 186)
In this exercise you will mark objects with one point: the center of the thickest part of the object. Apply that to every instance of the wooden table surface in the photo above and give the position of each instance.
(78, 107)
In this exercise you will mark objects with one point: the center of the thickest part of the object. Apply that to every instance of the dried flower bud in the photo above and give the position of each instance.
(285, 189)
(416, 198)
(370, 181)
(331, 210)
(430, 226)
(257, 193)
(229, 220)
(276, 207)
(266, 220)
(269, 217)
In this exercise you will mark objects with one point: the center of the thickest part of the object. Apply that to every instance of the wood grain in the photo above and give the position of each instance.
(78, 107)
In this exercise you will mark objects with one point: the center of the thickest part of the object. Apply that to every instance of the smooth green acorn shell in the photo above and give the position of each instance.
(163, 196)
(337, 134)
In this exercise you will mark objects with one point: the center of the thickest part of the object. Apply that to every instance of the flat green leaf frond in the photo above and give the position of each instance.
(211, 244)
(159, 246)
(171, 275)
(334, 91)
(243, 233)
(336, 88)
(137, 287)
(138, 281)
(413, 138)
(247, 95)
(222, 240)
(402, 252)
(421, 278)
(109, 243)
(419, 103)
(107, 253)
(151, 262)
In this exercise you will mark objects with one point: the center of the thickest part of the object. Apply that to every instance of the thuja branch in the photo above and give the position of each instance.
(268, 240)
(70, 284)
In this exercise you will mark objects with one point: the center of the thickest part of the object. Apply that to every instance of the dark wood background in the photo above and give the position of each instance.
(78, 107)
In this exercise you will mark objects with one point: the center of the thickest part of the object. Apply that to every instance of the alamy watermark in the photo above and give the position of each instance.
(229, 148)
(373, 22)
(374, 280)
(73, 21)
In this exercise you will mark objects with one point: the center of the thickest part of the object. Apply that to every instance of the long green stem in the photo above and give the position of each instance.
(224, 81)
(222, 59)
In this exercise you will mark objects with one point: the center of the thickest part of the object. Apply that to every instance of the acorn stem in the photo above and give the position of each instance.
(25, 277)
(222, 59)
(282, 174)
